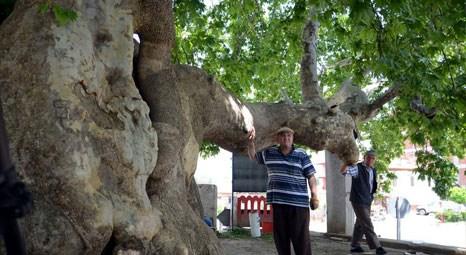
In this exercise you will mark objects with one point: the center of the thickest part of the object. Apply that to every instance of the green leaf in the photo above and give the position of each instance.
(63, 16)
(209, 149)
(43, 8)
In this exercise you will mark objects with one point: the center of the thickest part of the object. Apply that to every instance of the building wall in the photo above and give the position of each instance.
(408, 185)
(461, 164)
(417, 192)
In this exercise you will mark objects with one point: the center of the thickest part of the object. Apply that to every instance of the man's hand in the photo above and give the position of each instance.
(251, 145)
(252, 134)
(343, 168)
(314, 202)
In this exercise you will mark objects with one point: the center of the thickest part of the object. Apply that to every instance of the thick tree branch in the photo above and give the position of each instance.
(372, 109)
(217, 116)
(155, 26)
(309, 82)
(417, 105)
(318, 129)
(349, 99)
(353, 101)
(339, 64)
(379, 28)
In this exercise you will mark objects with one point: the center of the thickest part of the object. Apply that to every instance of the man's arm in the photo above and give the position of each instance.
(251, 145)
(349, 169)
(313, 187)
(375, 184)
(309, 172)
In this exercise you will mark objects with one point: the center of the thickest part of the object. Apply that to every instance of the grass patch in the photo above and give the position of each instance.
(242, 233)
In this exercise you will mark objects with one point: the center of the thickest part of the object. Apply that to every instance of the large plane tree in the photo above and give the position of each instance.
(106, 131)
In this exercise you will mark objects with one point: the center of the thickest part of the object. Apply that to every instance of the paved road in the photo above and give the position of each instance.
(415, 228)
(423, 229)
(321, 245)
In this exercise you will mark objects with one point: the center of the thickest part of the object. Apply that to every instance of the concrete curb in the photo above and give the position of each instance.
(428, 248)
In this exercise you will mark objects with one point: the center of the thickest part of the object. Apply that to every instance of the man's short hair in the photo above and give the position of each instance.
(371, 153)
(284, 130)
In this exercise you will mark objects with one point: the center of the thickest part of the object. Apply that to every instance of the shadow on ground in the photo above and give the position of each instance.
(242, 244)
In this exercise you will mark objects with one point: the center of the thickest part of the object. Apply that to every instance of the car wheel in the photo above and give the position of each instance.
(423, 212)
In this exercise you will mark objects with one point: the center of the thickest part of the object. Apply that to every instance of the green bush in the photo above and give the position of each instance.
(451, 216)
(458, 195)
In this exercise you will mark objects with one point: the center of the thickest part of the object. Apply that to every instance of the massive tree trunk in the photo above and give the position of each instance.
(110, 158)
(80, 132)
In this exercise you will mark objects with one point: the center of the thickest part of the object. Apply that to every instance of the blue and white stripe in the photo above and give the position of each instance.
(288, 175)
(352, 170)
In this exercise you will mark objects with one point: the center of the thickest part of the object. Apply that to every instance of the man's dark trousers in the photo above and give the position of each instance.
(363, 226)
(291, 223)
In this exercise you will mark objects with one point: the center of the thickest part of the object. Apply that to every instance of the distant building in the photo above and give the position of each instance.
(461, 164)
(407, 183)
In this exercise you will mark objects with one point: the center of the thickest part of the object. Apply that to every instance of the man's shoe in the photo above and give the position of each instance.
(357, 249)
(380, 251)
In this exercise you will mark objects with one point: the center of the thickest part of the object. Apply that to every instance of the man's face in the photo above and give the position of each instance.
(369, 160)
(285, 139)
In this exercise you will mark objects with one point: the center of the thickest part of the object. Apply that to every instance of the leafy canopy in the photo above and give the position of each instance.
(254, 48)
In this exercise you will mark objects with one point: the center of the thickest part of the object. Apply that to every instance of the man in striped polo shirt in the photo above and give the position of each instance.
(289, 172)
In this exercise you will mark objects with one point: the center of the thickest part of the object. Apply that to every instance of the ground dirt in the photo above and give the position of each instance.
(321, 245)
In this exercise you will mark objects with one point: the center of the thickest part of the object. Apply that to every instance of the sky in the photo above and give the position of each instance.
(215, 170)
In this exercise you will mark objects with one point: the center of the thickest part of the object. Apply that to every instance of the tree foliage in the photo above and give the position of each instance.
(208, 150)
(458, 195)
(433, 167)
(254, 48)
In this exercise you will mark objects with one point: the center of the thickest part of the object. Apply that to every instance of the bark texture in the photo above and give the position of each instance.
(80, 132)
(309, 80)
(110, 158)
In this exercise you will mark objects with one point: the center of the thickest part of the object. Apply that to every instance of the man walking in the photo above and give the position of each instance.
(290, 171)
(363, 187)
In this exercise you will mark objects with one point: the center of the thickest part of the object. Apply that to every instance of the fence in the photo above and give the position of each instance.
(247, 204)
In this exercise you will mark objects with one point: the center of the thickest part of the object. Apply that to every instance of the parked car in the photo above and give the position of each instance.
(427, 209)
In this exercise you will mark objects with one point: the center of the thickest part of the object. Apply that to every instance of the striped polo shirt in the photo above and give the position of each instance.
(287, 182)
